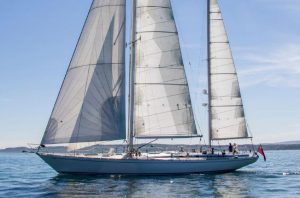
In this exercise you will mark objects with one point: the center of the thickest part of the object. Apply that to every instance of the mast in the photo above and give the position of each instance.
(209, 75)
(132, 79)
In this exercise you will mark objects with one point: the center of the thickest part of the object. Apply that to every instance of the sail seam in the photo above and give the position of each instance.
(166, 81)
(161, 84)
(223, 74)
(158, 37)
(151, 68)
(166, 112)
(156, 23)
(229, 125)
(226, 105)
(158, 128)
(213, 42)
(216, 97)
(234, 138)
(171, 50)
(157, 31)
(103, 6)
(79, 66)
(153, 7)
(160, 65)
(220, 58)
(158, 98)
(222, 112)
(168, 136)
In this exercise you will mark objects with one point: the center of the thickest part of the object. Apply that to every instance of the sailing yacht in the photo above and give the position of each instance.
(91, 103)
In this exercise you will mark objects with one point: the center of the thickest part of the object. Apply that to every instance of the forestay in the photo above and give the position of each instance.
(162, 100)
(91, 103)
(227, 111)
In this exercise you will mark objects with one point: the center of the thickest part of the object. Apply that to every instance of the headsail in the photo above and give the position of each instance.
(227, 112)
(91, 103)
(162, 99)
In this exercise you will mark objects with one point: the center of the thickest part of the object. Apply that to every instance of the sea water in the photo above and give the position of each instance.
(26, 175)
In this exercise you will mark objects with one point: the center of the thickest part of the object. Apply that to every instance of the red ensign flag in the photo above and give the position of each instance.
(261, 151)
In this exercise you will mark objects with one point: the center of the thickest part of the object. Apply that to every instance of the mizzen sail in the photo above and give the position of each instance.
(226, 107)
(161, 95)
(91, 103)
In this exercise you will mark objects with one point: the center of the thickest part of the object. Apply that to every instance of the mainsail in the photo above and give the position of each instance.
(226, 107)
(162, 104)
(91, 103)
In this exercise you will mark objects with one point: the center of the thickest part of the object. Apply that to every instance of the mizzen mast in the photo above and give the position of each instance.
(132, 79)
(209, 74)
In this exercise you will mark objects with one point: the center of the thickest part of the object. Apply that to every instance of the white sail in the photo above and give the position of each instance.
(91, 103)
(78, 146)
(227, 111)
(162, 100)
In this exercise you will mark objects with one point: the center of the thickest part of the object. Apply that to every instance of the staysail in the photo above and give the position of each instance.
(162, 104)
(226, 107)
(91, 103)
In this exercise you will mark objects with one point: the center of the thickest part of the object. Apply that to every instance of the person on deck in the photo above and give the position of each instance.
(235, 149)
(230, 148)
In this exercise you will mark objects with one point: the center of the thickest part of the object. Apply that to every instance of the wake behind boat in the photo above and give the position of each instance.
(91, 103)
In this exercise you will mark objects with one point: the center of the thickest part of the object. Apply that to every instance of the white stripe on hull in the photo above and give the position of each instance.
(81, 165)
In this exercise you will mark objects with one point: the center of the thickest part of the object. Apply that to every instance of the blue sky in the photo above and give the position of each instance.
(38, 38)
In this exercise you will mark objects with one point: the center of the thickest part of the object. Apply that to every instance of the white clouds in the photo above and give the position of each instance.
(273, 67)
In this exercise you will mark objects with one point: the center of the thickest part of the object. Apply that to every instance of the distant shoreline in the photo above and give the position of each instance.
(265, 146)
